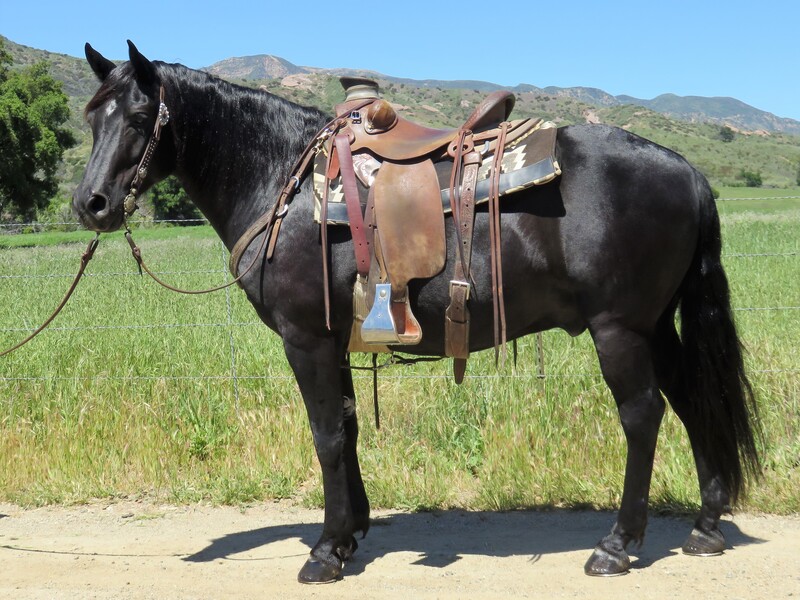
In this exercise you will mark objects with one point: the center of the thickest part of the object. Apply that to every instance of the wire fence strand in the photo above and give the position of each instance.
(230, 324)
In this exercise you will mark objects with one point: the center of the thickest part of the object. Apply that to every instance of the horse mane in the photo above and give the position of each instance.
(255, 131)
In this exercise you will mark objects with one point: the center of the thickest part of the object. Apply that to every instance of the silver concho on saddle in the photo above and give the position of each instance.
(393, 181)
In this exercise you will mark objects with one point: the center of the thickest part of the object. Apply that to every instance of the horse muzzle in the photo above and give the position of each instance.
(96, 211)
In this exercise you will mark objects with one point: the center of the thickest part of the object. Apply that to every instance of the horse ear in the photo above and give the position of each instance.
(99, 63)
(144, 69)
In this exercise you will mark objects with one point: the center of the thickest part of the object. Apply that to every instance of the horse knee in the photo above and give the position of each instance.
(329, 447)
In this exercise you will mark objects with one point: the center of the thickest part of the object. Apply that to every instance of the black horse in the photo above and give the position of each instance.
(627, 235)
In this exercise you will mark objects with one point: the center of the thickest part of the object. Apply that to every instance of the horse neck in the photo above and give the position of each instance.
(235, 147)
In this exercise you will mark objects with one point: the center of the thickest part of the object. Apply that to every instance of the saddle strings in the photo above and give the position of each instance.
(498, 303)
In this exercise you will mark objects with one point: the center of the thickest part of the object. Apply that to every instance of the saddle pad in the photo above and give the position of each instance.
(528, 161)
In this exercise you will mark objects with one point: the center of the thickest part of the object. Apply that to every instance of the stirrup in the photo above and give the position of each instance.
(411, 331)
(379, 327)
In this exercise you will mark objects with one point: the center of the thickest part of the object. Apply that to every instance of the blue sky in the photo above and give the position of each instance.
(744, 49)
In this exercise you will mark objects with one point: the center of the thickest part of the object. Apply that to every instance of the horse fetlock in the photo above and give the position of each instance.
(345, 552)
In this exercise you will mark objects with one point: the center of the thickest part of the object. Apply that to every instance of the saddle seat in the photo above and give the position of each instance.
(384, 133)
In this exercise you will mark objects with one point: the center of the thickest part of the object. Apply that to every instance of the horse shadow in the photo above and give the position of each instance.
(441, 538)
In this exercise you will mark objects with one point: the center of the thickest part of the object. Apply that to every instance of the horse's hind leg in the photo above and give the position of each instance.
(331, 412)
(627, 366)
(706, 539)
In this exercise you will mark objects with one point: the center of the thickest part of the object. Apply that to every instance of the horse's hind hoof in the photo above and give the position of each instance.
(704, 543)
(316, 571)
(607, 562)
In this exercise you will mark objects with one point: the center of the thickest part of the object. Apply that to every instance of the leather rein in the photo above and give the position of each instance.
(130, 206)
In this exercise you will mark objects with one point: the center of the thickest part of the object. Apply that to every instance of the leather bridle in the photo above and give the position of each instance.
(129, 204)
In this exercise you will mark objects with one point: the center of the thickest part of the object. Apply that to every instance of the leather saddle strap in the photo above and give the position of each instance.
(272, 220)
(456, 151)
(360, 242)
(457, 313)
(323, 238)
(498, 303)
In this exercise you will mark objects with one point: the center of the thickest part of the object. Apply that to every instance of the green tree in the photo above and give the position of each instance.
(171, 202)
(33, 110)
(751, 178)
(726, 134)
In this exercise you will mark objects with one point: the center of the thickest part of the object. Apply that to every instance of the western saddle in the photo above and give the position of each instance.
(395, 176)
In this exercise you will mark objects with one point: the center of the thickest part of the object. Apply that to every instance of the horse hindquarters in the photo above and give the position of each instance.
(702, 375)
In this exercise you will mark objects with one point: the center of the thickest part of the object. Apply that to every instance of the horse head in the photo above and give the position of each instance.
(123, 116)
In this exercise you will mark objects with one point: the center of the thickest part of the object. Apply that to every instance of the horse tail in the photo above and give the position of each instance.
(719, 392)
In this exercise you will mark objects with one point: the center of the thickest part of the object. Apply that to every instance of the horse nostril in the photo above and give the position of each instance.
(97, 204)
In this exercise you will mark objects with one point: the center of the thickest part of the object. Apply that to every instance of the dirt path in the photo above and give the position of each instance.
(137, 551)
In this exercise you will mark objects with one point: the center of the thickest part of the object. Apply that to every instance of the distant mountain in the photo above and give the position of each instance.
(716, 110)
(80, 82)
(263, 66)
(693, 131)
(728, 111)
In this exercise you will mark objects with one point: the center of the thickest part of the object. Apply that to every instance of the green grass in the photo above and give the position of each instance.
(758, 201)
(131, 394)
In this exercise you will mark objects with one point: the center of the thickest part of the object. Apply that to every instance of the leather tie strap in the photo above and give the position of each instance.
(495, 242)
(360, 242)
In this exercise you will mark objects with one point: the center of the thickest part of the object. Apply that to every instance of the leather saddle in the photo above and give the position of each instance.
(390, 172)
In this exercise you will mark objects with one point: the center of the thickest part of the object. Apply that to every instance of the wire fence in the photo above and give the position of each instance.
(227, 321)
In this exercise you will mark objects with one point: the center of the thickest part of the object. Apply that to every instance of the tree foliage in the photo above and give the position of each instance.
(751, 178)
(726, 134)
(33, 110)
(171, 202)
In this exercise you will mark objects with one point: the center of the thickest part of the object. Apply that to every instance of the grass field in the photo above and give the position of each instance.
(135, 391)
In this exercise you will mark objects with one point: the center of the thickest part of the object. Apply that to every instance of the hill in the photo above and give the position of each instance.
(691, 126)
(690, 108)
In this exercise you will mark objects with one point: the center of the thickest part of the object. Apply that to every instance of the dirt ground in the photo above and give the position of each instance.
(139, 551)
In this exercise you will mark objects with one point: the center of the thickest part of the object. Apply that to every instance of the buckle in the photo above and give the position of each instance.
(456, 283)
(355, 116)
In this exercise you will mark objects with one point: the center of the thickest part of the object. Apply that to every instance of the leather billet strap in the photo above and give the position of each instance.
(457, 313)
(162, 118)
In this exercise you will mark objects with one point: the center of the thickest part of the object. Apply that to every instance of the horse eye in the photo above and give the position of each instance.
(138, 121)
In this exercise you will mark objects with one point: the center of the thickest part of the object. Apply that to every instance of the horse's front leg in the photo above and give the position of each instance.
(330, 403)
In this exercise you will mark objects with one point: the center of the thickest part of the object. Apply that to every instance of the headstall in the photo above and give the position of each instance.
(162, 119)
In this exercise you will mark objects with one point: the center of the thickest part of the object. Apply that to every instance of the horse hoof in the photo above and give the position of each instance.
(604, 563)
(316, 571)
(702, 543)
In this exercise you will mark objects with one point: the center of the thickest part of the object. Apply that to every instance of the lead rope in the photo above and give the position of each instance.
(85, 258)
(137, 255)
